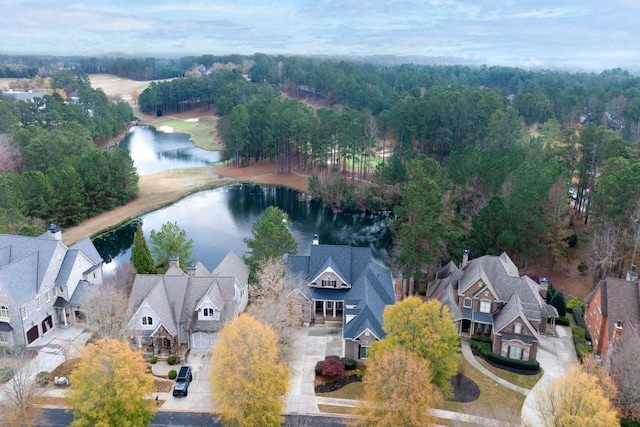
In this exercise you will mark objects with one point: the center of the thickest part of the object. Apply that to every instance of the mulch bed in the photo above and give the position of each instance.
(464, 390)
(162, 385)
(337, 384)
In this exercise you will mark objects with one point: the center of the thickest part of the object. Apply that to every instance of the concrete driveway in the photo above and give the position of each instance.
(555, 355)
(199, 396)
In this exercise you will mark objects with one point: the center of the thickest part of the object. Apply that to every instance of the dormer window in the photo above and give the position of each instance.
(147, 320)
(211, 313)
(4, 313)
(329, 283)
(517, 328)
(208, 312)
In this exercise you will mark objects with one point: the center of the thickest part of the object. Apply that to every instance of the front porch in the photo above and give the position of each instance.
(328, 311)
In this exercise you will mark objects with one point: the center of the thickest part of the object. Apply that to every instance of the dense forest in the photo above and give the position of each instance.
(485, 158)
(51, 166)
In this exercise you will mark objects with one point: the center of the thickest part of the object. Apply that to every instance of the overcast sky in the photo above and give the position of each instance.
(556, 34)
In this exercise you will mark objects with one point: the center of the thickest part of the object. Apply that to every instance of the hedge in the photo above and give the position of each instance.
(349, 364)
(578, 316)
(563, 321)
(481, 347)
(481, 338)
(580, 341)
(525, 365)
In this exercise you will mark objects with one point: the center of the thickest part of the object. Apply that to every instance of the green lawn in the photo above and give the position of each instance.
(203, 133)
(526, 381)
(350, 391)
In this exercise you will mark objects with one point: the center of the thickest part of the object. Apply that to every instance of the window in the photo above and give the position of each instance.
(38, 303)
(4, 337)
(147, 320)
(329, 283)
(363, 351)
(517, 328)
(514, 352)
(467, 303)
(24, 312)
(4, 313)
(485, 306)
(208, 312)
(47, 296)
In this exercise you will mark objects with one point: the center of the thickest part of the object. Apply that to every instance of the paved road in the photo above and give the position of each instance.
(61, 418)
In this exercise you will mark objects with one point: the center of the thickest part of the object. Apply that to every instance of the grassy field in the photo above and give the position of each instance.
(490, 392)
(113, 85)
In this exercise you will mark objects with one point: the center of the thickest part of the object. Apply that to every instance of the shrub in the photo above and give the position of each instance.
(578, 316)
(559, 302)
(332, 368)
(42, 378)
(563, 321)
(6, 374)
(481, 338)
(332, 357)
(422, 292)
(153, 360)
(349, 364)
(481, 347)
(319, 367)
(171, 360)
(172, 374)
(573, 301)
(525, 365)
(580, 341)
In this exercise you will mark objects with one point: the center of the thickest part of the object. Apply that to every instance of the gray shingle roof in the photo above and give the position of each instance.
(510, 312)
(371, 284)
(620, 300)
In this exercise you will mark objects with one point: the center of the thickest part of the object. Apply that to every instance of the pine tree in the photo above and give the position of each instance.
(140, 253)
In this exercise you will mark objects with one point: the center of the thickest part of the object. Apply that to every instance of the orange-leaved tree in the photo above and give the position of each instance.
(397, 390)
(248, 377)
(576, 399)
(425, 329)
(110, 387)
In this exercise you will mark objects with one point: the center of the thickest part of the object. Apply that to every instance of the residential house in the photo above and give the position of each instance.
(613, 305)
(42, 282)
(176, 311)
(346, 285)
(488, 296)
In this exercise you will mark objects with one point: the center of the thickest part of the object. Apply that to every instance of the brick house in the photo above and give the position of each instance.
(488, 296)
(612, 305)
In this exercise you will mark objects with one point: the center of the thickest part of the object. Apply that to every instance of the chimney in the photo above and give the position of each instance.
(174, 261)
(465, 258)
(544, 287)
(315, 241)
(191, 270)
(54, 232)
(632, 274)
(617, 332)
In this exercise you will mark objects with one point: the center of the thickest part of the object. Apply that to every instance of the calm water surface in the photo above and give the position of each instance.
(219, 220)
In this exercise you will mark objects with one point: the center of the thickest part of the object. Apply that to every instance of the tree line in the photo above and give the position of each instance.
(53, 169)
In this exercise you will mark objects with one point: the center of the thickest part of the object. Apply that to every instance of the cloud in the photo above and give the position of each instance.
(512, 32)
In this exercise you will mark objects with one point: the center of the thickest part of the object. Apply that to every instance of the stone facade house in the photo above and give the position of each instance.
(488, 296)
(613, 305)
(347, 285)
(170, 313)
(42, 282)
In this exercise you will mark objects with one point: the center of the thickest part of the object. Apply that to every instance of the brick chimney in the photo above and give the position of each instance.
(465, 258)
(616, 335)
(316, 240)
(54, 232)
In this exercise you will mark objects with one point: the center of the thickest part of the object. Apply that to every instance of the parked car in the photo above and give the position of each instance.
(184, 378)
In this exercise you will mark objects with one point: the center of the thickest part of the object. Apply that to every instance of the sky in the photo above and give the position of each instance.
(574, 35)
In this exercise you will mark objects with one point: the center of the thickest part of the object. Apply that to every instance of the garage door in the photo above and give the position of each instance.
(201, 340)
(33, 334)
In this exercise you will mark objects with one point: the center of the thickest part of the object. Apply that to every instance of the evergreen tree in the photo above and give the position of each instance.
(140, 253)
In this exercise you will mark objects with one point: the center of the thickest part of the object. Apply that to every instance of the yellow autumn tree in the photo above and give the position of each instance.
(425, 329)
(110, 387)
(397, 390)
(248, 377)
(576, 399)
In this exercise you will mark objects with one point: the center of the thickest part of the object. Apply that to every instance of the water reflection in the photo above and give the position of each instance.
(154, 151)
(219, 220)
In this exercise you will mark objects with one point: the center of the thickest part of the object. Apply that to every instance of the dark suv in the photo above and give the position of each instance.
(183, 380)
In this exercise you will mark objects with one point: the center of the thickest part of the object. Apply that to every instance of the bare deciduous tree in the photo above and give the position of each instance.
(270, 305)
(104, 304)
(9, 155)
(18, 406)
(603, 249)
(624, 367)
